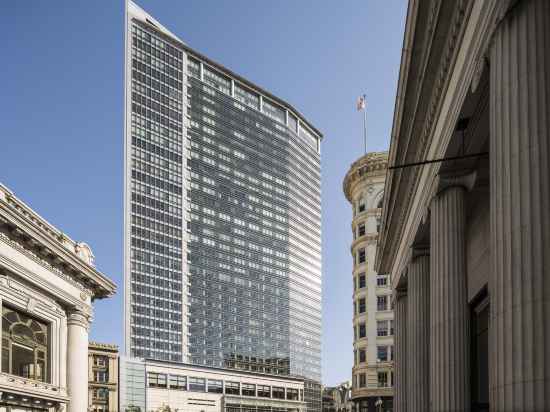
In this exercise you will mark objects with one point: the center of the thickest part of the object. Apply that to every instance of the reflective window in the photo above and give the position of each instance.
(292, 394)
(232, 388)
(178, 382)
(156, 380)
(264, 391)
(197, 384)
(247, 96)
(248, 389)
(25, 345)
(278, 392)
(215, 386)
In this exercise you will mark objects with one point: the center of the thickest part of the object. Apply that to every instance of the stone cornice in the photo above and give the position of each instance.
(412, 132)
(96, 346)
(39, 237)
(372, 164)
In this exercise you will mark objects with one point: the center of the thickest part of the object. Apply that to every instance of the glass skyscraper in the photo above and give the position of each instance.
(222, 215)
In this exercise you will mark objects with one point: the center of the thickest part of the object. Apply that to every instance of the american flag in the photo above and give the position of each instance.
(361, 103)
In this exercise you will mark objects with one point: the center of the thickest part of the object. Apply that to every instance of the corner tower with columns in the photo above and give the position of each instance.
(372, 314)
(466, 216)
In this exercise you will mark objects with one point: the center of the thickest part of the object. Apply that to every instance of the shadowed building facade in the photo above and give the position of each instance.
(466, 221)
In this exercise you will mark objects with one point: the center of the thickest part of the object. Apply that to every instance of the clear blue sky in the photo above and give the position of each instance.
(61, 111)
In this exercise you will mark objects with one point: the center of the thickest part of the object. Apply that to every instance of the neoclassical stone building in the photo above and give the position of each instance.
(372, 314)
(466, 221)
(47, 285)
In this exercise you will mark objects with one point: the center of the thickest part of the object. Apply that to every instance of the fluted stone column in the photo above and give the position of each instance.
(418, 331)
(519, 286)
(449, 315)
(77, 360)
(400, 369)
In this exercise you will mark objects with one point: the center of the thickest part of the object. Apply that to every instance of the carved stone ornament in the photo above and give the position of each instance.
(84, 252)
(78, 316)
(83, 296)
(31, 305)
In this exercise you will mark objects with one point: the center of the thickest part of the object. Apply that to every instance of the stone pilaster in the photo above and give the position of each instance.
(418, 331)
(449, 315)
(400, 370)
(519, 285)
(78, 322)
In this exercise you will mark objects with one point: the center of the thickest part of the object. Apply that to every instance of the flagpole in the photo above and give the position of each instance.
(365, 122)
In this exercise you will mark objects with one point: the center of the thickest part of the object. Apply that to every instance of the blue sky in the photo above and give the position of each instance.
(61, 102)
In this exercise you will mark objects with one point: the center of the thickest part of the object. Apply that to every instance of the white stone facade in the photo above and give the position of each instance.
(47, 283)
(372, 319)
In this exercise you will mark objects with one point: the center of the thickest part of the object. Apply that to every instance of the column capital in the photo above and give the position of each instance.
(418, 250)
(462, 179)
(79, 316)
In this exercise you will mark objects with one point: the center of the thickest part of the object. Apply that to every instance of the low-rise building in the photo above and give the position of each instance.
(337, 398)
(102, 377)
(47, 285)
(149, 385)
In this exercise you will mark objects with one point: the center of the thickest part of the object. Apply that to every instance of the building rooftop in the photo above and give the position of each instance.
(72, 258)
(369, 163)
(144, 18)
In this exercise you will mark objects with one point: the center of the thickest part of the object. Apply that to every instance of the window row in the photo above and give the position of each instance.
(384, 380)
(194, 384)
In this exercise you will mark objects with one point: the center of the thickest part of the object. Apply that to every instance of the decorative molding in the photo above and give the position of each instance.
(31, 304)
(42, 262)
(368, 166)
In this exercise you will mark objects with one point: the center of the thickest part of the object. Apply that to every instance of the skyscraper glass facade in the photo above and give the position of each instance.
(222, 215)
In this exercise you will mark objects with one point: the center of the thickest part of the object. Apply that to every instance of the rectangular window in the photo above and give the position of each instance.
(247, 96)
(248, 389)
(215, 386)
(194, 68)
(382, 328)
(381, 281)
(362, 330)
(382, 353)
(382, 379)
(293, 122)
(278, 392)
(362, 380)
(232, 388)
(361, 230)
(178, 382)
(274, 111)
(391, 327)
(361, 256)
(362, 307)
(197, 384)
(156, 380)
(217, 80)
(362, 355)
(382, 302)
(292, 394)
(362, 281)
(264, 391)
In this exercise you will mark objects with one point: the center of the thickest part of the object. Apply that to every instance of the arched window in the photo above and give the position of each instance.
(24, 345)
